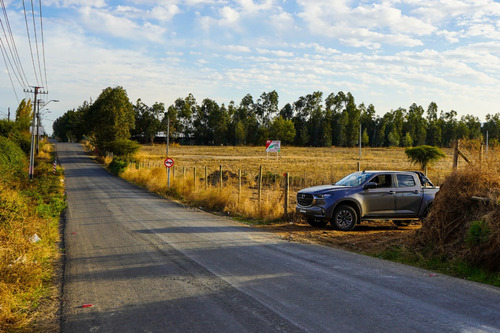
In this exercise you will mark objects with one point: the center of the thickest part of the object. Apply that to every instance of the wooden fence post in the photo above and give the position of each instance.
(220, 177)
(239, 185)
(455, 155)
(206, 178)
(194, 179)
(260, 186)
(287, 194)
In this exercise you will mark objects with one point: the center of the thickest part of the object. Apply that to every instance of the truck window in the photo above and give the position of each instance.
(383, 180)
(406, 181)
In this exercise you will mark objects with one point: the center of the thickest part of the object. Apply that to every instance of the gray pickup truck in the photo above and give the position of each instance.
(400, 196)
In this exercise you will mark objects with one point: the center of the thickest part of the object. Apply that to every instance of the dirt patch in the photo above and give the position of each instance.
(368, 237)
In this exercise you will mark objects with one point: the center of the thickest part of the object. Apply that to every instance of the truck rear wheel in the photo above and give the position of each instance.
(344, 218)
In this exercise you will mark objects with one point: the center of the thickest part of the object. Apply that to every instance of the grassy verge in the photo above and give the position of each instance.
(29, 251)
(439, 263)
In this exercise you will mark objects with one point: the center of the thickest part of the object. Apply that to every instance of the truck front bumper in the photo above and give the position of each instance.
(311, 211)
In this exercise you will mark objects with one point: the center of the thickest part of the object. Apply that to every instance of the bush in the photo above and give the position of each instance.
(117, 166)
(462, 227)
(122, 148)
(424, 155)
(12, 159)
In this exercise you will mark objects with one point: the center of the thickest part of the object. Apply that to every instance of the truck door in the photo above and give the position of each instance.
(408, 195)
(380, 201)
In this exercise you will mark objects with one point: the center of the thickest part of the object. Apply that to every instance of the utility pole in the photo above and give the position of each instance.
(360, 126)
(8, 114)
(38, 127)
(32, 149)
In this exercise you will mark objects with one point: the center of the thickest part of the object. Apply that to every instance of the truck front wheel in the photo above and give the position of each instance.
(344, 218)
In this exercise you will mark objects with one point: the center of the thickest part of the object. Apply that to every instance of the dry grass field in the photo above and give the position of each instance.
(315, 165)
(306, 166)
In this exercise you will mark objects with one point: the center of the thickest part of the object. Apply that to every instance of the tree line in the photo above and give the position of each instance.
(312, 120)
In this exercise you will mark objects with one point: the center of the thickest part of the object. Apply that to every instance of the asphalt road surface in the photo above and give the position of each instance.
(146, 264)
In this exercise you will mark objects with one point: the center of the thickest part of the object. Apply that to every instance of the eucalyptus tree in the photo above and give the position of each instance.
(367, 120)
(148, 120)
(283, 129)
(473, 125)
(353, 117)
(266, 107)
(448, 124)
(434, 131)
(416, 124)
(492, 127)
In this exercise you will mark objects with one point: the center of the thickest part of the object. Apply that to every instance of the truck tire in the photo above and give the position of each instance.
(316, 223)
(344, 218)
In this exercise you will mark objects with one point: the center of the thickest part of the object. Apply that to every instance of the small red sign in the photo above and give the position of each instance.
(168, 162)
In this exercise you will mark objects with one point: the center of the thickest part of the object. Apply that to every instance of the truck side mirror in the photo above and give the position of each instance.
(370, 185)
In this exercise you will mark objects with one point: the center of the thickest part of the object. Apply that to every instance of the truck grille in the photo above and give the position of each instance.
(305, 199)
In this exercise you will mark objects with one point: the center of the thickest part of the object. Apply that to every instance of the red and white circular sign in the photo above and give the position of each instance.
(168, 162)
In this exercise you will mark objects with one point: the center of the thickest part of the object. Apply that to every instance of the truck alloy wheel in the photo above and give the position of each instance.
(344, 218)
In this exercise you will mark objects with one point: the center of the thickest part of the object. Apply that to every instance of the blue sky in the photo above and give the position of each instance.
(386, 53)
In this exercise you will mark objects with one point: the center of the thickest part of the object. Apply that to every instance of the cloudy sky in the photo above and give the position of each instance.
(386, 53)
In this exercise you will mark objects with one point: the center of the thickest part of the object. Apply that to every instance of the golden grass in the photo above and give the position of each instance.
(306, 167)
(28, 292)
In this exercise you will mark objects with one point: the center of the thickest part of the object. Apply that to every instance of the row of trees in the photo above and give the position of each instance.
(310, 121)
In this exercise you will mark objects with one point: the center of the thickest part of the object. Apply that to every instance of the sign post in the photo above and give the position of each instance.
(273, 146)
(168, 163)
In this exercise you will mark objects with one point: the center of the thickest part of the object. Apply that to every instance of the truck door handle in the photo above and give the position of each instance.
(392, 192)
(416, 191)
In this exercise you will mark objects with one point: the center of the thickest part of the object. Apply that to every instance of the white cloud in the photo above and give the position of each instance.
(249, 6)
(278, 53)
(102, 21)
(236, 48)
(228, 15)
(165, 13)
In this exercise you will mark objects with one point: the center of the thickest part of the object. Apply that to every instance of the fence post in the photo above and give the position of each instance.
(260, 186)
(194, 179)
(287, 193)
(220, 177)
(206, 178)
(239, 185)
(455, 155)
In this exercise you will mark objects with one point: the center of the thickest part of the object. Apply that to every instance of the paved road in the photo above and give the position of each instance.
(150, 265)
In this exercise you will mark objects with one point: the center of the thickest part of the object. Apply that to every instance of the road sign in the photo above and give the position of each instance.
(168, 162)
(273, 146)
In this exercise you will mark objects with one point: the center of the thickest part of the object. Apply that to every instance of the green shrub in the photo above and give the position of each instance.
(424, 155)
(123, 148)
(479, 233)
(117, 166)
(12, 159)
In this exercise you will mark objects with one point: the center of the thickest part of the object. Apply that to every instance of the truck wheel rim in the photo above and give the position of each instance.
(344, 218)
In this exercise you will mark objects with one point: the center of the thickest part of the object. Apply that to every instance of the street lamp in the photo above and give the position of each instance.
(38, 121)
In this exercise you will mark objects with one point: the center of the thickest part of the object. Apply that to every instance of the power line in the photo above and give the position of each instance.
(9, 40)
(36, 41)
(43, 46)
(8, 72)
(29, 41)
(11, 56)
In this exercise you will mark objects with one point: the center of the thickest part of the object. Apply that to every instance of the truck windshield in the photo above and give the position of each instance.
(354, 179)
